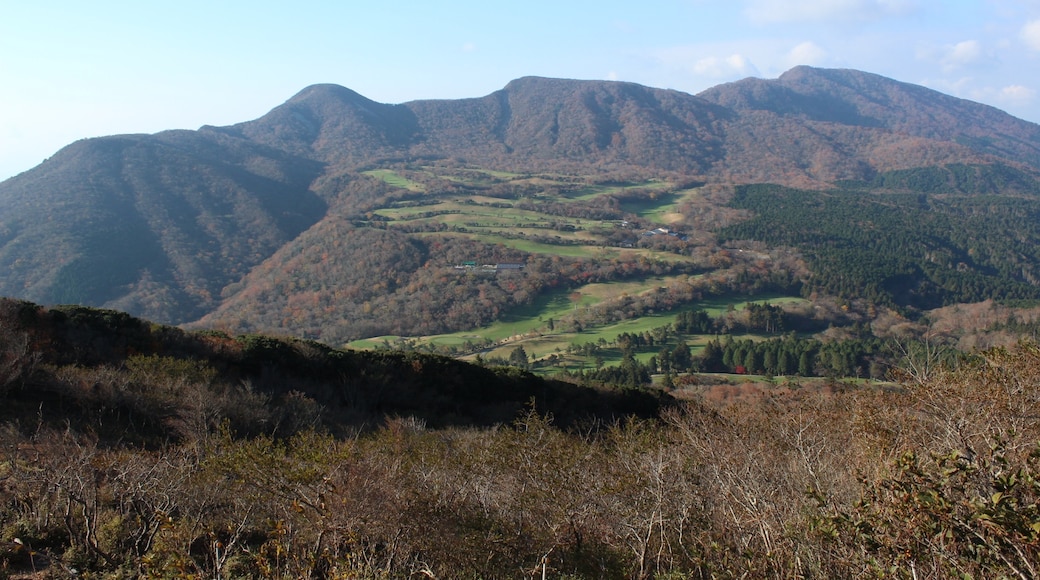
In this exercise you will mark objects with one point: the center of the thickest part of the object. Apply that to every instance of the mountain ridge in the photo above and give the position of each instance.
(878, 102)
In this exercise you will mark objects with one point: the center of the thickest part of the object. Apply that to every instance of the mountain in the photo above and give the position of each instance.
(857, 100)
(842, 124)
(167, 220)
(339, 217)
(533, 122)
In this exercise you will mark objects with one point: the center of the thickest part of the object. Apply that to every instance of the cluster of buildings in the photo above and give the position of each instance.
(501, 267)
(631, 243)
(664, 232)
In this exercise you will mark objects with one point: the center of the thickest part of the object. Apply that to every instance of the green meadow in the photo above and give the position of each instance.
(664, 209)
(498, 221)
(593, 191)
(395, 179)
(528, 326)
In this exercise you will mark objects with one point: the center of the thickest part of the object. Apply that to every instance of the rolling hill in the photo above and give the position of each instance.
(336, 217)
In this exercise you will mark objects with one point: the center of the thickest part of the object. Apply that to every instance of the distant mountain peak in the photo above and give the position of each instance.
(804, 71)
(330, 122)
(855, 98)
(537, 82)
(329, 92)
(798, 71)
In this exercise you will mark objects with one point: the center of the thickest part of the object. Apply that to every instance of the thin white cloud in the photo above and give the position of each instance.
(806, 53)
(724, 67)
(966, 54)
(469, 47)
(1031, 34)
(624, 26)
(963, 87)
(783, 11)
(700, 66)
(962, 54)
(1019, 100)
(1011, 96)
(1017, 95)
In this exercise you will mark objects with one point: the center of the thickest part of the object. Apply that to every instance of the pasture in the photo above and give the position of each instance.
(661, 209)
(593, 191)
(391, 177)
(498, 220)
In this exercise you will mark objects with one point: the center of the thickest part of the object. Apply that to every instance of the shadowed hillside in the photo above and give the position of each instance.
(545, 124)
(335, 125)
(154, 224)
(119, 377)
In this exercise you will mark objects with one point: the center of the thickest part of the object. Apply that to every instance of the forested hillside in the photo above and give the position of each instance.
(152, 224)
(849, 98)
(958, 234)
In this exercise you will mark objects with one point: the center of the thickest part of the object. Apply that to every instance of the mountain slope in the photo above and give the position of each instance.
(155, 224)
(855, 99)
(552, 122)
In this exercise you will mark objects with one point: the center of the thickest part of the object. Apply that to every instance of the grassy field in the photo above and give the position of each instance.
(719, 305)
(478, 219)
(593, 191)
(662, 210)
(581, 251)
(529, 326)
(393, 178)
(497, 221)
(532, 247)
(546, 344)
(475, 175)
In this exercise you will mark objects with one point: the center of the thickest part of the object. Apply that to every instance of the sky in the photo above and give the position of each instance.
(71, 69)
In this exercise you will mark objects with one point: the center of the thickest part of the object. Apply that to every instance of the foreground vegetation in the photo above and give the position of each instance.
(131, 450)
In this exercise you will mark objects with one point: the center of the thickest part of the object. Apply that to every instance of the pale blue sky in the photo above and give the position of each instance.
(73, 69)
